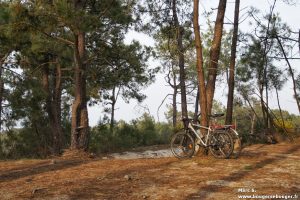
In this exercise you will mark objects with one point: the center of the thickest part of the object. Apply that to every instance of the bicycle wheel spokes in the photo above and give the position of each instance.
(221, 144)
(182, 145)
(226, 145)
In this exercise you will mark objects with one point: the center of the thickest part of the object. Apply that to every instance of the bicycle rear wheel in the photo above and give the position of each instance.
(220, 144)
(182, 145)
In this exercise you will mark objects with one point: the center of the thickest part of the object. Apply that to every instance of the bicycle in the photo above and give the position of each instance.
(231, 129)
(217, 139)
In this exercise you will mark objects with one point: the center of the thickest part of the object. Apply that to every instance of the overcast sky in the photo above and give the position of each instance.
(157, 91)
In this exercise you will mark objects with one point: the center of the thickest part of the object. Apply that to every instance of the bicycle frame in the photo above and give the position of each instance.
(209, 130)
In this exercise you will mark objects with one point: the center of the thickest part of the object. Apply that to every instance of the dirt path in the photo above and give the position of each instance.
(261, 170)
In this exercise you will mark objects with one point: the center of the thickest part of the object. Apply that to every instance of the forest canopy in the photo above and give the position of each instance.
(60, 57)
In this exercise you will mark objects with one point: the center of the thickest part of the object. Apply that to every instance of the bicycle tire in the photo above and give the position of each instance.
(182, 145)
(220, 144)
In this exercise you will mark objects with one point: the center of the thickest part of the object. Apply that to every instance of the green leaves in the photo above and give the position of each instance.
(41, 33)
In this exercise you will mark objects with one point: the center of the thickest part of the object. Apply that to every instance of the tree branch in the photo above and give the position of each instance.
(58, 38)
(161, 105)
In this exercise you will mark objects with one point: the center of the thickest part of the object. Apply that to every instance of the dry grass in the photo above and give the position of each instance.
(269, 169)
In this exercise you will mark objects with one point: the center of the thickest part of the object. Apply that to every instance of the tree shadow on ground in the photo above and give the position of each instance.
(252, 154)
(17, 173)
(115, 185)
(236, 176)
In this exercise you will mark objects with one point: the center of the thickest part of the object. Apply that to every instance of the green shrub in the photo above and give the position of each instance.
(143, 131)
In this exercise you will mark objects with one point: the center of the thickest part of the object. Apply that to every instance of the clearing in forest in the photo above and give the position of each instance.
(261, 170)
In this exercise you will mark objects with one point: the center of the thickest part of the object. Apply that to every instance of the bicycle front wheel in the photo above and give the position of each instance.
(182, 145)
(220, 144)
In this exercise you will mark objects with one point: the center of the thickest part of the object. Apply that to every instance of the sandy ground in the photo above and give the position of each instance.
(260, 170)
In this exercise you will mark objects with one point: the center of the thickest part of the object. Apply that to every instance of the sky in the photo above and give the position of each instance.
(158, 90)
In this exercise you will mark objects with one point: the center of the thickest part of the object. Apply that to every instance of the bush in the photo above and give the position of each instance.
(101, 139)
(143, 131)
(25, 142)
(33, 141)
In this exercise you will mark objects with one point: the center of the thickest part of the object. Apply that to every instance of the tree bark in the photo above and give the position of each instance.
(2, 60)
(173, 84)
(265, 112)
(46, 87)
(53, 106)
(174, 106)
(113, 103)
(1, 92)
(291, 73)
(56, 105)
(214, 55)
(253, 118)
(196, 112)
(175, 87)
(200, 70)
(80, 123)
(179, 35)
(232, 64)
(262, 103)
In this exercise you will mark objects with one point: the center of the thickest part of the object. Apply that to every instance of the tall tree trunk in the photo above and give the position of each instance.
(291, 73)
(197, 105)
(179, 35)
(265, 112)
(279, 107)
(1, 92)
(174, 86)
(214, 55)
(200, 70)
(175, 92)
(53, 106)
(113, 103)
(253, 118)
(232, 64)
(2, 60)
(262, 103)
(269, 123)
(174, 106)
(80, 122)
(267, 117)
(46, 87)
(56, 106)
